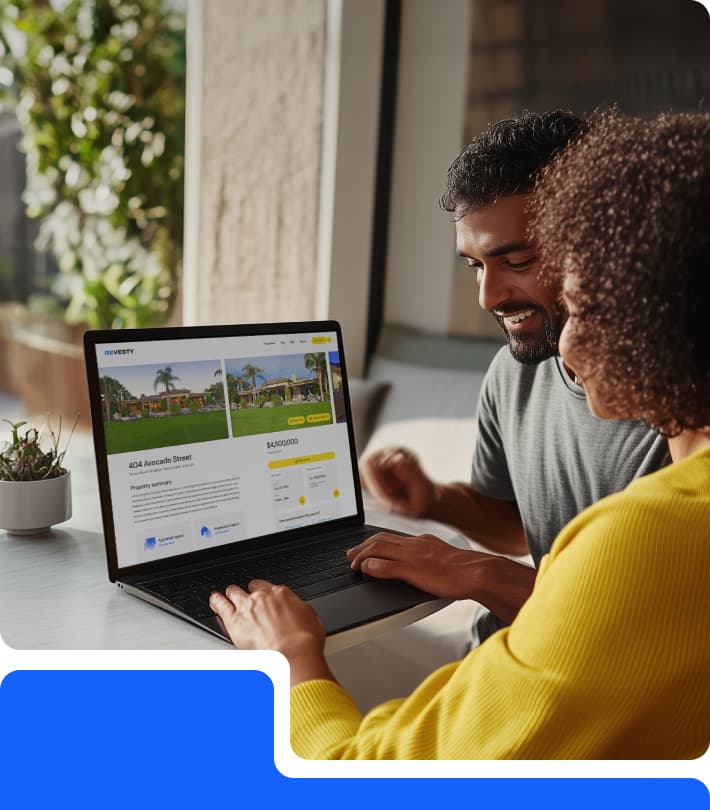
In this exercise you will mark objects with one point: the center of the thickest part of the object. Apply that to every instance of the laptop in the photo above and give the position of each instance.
(225, 454)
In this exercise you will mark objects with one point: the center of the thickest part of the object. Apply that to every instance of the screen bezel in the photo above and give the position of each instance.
(94, 338)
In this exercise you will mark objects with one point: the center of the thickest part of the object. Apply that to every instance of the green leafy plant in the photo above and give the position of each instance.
(99, 89)
(23, 459)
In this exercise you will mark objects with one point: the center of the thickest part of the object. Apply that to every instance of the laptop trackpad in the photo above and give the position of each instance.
(366, 602)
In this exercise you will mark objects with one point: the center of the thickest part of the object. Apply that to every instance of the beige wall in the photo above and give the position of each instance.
(259, 104)
(431, 104)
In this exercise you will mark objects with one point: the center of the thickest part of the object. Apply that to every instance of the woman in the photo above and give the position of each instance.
(610, 656)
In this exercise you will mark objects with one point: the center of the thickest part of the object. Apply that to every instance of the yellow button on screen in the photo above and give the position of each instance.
(318, 417)
(320, 339)
(302, 499)
(296, 420)
(336, 493)
(293, 462)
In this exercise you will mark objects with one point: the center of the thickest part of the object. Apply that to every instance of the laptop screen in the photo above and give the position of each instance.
(212, 440)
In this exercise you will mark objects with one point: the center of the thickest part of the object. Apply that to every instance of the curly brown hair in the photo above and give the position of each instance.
(624, 215)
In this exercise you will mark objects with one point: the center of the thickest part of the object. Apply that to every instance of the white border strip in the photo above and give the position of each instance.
(275, 667)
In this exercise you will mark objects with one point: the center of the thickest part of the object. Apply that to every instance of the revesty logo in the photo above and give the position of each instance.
(118, 351)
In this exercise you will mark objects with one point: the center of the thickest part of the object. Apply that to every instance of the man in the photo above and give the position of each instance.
(608, 659)
(540, 456)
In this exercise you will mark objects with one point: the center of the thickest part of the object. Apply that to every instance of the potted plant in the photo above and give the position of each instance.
(35, 487)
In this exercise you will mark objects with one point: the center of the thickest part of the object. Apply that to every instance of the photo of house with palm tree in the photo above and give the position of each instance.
(184, 403)
(286, 392)
(338, 397)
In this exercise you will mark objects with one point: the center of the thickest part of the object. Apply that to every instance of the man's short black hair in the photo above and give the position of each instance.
(506, 158)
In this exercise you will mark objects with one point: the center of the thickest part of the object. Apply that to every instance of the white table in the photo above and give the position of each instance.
(55, 592)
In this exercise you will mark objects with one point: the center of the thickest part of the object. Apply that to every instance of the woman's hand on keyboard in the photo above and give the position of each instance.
(272, 617)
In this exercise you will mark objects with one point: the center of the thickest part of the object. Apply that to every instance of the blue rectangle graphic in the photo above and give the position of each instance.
(201, 739)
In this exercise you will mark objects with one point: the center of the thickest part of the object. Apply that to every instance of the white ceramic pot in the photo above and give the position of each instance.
(32, 507)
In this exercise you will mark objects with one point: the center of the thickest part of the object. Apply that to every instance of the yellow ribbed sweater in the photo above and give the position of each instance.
(608, 658)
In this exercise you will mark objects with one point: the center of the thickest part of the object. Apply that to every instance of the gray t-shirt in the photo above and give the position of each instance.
(540, 446)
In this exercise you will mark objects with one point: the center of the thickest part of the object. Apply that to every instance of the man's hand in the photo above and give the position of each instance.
(395, 477)
(429, 563)
(424, 561)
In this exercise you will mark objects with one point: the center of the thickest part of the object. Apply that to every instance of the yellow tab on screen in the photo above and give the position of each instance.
(296, 420)
(321, 339)
(318, 417)
(293, 462)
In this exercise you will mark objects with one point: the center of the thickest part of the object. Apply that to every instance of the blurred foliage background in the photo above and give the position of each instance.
(98, 87)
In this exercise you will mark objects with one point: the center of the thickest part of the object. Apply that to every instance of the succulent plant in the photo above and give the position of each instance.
(23, 459)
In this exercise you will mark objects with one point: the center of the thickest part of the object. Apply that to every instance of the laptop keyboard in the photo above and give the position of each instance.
(308, 571)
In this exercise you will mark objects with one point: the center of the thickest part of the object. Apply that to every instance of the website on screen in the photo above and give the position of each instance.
(216, 440)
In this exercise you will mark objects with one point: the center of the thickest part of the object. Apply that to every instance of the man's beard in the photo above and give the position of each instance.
(530, 349)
